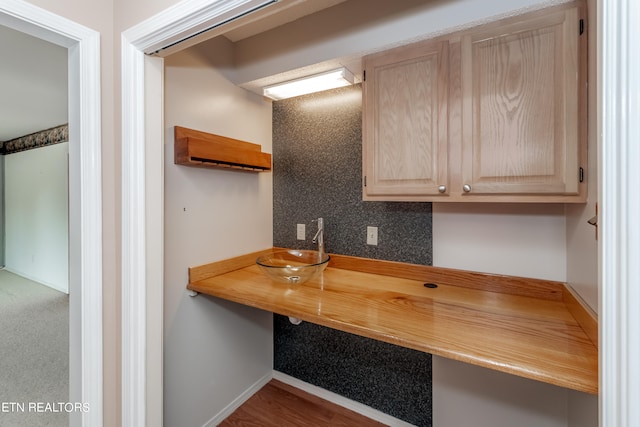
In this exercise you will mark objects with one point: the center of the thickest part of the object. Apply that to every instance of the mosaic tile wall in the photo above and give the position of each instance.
(317, 168)
(35, 140)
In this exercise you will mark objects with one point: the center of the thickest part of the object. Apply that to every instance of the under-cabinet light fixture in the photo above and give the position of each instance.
(315, 83)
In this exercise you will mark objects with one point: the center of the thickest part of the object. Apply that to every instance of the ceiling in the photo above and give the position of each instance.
(33, 84)
(287, 11)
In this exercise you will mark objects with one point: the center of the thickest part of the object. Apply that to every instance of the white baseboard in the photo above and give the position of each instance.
(55, 286)
(358, 407)
(238, 401)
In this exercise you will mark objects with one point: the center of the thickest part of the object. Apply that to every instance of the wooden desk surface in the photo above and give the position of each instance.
(530, 331)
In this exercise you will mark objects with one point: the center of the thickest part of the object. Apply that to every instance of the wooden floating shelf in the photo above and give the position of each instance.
(532, 328)
(207, 150)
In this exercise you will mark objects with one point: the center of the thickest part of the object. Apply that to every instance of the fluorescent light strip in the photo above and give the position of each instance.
(315, 83)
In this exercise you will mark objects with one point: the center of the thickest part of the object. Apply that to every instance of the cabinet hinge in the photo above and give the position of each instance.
(581, 174)
(581, 26)
(365, 180)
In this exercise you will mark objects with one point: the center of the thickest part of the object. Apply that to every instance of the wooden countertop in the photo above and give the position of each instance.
(532, 328)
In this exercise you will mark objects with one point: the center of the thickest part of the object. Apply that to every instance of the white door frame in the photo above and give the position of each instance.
(618, 154)
(142, 195)
(619, 193)
(85, 198)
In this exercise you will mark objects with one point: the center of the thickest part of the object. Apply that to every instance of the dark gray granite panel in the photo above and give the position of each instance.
(392, 379)
(317, 171)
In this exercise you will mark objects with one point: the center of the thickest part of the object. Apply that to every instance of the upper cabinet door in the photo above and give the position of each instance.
(520, 107)
(405, 96)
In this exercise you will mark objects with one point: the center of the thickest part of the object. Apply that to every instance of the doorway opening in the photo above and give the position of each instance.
(85, 200)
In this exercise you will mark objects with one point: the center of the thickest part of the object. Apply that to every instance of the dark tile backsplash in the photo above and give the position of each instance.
(317, 172)
(391, 379)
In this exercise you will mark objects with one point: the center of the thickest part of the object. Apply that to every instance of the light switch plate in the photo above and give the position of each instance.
(372, 235)
(301, 231)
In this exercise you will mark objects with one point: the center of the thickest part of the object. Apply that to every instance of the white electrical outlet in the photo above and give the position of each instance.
(301, 232)
(372, 236)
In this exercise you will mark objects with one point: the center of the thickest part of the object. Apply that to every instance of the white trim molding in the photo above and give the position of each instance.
(133, 238)
(620, 213)
(85, 195)
(237, 402)
(187, 19)
(142, 226)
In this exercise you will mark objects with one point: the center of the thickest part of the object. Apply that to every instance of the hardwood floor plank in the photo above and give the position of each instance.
(279, 404)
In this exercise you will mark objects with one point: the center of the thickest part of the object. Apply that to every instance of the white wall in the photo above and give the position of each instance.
(468, 395)
(523, 240)
(213, 350)
(36, 215)
(517, 239)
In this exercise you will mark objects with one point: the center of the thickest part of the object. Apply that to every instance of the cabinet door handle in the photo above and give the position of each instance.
(466, 188)
(442, 188)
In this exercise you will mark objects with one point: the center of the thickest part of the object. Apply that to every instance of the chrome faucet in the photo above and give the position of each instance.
(319, 237)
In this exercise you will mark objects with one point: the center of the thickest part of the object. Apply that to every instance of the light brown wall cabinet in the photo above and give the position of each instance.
(496, 114)
(405, 120)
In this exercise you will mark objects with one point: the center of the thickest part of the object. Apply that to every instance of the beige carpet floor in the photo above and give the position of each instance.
(34, 353)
